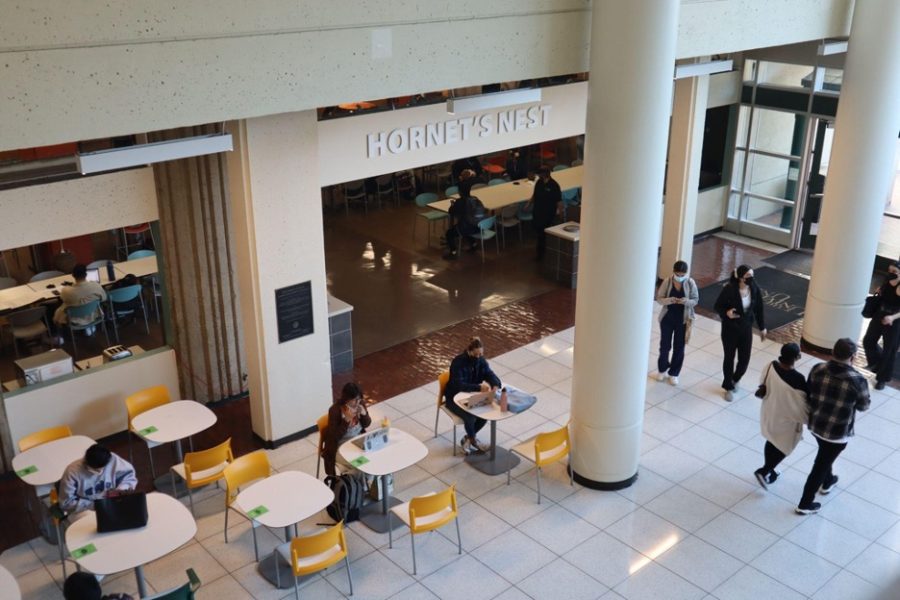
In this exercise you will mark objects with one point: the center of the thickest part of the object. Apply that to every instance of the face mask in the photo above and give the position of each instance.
(680, 278)
(748, 280)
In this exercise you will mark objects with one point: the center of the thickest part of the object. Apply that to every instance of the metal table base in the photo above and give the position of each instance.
(495, 462)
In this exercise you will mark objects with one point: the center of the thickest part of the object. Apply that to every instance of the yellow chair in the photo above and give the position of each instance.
(203, 467)
(243, 470)
(427, 513)
(313, 553)
(322, 424)
(141, 402)
(543, 449)
(443, 378)
(43, 436)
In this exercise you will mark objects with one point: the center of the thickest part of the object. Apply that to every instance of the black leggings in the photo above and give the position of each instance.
(882, 357)
(821, 469)
(736, 338)
(773, 455)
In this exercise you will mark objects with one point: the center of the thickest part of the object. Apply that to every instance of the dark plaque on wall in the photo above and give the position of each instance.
(293, 308)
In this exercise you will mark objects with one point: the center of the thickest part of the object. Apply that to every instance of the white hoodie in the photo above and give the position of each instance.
(80, 486)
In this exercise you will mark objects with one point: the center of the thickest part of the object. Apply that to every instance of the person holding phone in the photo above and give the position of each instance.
(678, 296)
(347, 418)
(739, 306)
(884, 326)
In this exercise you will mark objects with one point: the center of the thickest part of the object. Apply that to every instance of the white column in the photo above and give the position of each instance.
(683, 174)
(859, 175)
(276, 200)
(630, 94)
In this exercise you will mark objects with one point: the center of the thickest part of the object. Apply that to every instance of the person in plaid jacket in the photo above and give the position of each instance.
(836, 392)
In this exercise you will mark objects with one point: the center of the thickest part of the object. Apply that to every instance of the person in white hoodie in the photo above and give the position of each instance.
(783, 413)
(90, 478)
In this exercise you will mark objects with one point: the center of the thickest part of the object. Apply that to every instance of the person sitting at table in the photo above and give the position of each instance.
(466, 211)
(471, 163)
(84, 586)
(516, 166)
(82, 292)
(92, 477)
(470, 372)
(347, 418)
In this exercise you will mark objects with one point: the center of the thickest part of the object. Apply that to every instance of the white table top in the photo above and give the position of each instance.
(9, 587)
(139, 267)
(51, 459)
(22, 295)
(58, 281)
(402, 450)
(290, 496)
(174, 421)
(488, 412)
(495, 197)
(169, 525)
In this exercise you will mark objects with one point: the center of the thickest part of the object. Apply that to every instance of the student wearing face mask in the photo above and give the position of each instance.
(739, 305)
(347, 418)
(884, 326)
(92, 477)
(470, 372)
(678, 296)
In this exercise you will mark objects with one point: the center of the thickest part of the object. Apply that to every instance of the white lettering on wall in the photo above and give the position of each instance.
(452, 131)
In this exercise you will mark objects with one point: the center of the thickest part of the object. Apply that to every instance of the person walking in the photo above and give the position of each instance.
(836, 392)
(739, 305)
(678, 296)
(783, 411)
(884, 326)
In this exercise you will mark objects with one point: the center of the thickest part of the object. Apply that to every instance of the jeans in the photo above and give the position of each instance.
(773, 455)
(882, 357)
(821, 469)
(736, 338)
(471, 423)
(671, 337)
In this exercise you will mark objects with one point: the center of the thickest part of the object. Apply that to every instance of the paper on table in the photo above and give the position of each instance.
(359, 461)
(147, 431)
(27, 471)
(259, 510)
(83, 551)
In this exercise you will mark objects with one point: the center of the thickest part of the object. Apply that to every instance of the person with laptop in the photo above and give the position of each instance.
(470, 372)
(82, 292)
(347, 418)
(94, 477)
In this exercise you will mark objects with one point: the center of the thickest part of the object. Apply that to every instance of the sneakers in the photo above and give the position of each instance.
(828, 485)
(466, 445)
(673, 380)
(879, 385)
(810, 509)
(765, 479)
(480, 447)
(660, 376)
(729, 395)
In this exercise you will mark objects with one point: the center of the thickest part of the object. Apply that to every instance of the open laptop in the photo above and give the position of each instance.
(373, 440)
(128, 511)
(479, 399)
(93, 275)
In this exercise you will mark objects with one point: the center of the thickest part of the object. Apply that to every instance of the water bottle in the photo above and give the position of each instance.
(504, 402)
(110, 271)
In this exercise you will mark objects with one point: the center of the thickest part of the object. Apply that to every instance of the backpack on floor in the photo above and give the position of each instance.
(349, 492)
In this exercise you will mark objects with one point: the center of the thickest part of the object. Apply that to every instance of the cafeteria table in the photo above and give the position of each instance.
(44, 464)
(498, 460)
(282, 500)
(172, 422)
(402, 450)
(139, 267)
(9, 587)
(169, 526)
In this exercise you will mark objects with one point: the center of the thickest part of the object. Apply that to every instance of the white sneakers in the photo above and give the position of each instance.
(673, 380)
(660, 376)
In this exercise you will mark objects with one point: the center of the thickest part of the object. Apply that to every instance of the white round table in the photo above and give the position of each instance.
(9, 587)
(173, 422)
(289, 497)
(169, 525)
(50, 459)
(401, 451)
(498, 460)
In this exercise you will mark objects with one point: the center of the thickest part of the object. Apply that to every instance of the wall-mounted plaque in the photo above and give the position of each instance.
(293, 309)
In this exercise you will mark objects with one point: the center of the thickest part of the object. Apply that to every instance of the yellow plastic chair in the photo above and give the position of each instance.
(313, 553)
(443, 378)
(141, 402)
(245, 469)
(203, 467)
(43, 436)
(322, 424)
(427, 513)
(543, 449)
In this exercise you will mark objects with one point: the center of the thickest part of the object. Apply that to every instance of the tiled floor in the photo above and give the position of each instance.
(694, 525)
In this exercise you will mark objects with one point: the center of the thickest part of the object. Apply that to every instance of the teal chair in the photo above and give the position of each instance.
(485, 232)
(497, 181)
(525, 216)
(451, 191)
(83, 311)
(569, 198)
(141, 254)
(183, 592)
(124, 302)
(431, 216)
(559, 167)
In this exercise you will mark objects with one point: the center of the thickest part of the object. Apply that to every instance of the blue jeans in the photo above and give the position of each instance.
(471, 423)
(671, 337)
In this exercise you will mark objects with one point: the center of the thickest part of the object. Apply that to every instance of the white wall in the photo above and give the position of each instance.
(64, 209)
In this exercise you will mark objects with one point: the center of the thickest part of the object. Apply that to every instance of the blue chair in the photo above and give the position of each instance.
(451, 191)
(525, 216)
(45, 275)
(569, 198)
(497, 181)
(141, 254)
(485, 232)
(431, 216)
(559, 167)
(509, 217)
(88, 310)
(124, 302)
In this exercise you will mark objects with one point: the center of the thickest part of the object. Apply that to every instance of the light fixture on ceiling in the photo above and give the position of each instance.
(703, 68)
(146, 154)
(469, 104)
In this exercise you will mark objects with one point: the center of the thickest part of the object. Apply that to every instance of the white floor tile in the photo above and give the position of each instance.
(618, 559)
(565, 357)
(469, 481)
(38, 585)
(512, 554)
(477, 525)
(433, 551)
(702, 564)
(547, 371)
(684, 508)
(648, 486)
(736, 536)
(877, 565)
(891, 538)
(846, 586)
(168, 571)
(524, 381)
(795, 567)
(703, 443)
(21, 559)
(550, 403)
(664, 425)
(416, 591)
(718, 486)
(879, 490)
(223, 588)
(859, 516)
(549, 346)
(513, 503)
(890, 466)
(518, 358)
(374, 576)
(769, 512)
(672, 463)
(880, 430)
(411, 401)
(601, 509)
(653, 581)
(750, 584)
(735, 427)
(865, 452)
(646, 532)
(558, 529)
(828, 540)
(561, 577)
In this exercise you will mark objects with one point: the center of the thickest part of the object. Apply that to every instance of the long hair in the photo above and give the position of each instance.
(739, 273)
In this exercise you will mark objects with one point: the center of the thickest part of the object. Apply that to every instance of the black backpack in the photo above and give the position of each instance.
(349, 492)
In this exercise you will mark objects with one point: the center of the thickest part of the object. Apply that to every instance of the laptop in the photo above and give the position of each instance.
(93, 275)
(128, 511)
(479, 399)
(374, 440)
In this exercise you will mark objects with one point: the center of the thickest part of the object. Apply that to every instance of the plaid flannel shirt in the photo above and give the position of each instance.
(836, 392)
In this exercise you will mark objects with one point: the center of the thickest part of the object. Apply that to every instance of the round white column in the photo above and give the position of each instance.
(629, 100)
(859, 175)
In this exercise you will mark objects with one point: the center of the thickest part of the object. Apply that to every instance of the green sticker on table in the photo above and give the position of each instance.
(27, 471)
(83, 551)
(359, 461)
(259, 510)
(147, 431)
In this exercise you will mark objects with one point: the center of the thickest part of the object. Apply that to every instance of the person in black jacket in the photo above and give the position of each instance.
(470, 372)
(463, 214)
(885, 325)
(470, 163)
(544, 206)
(739, 304)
